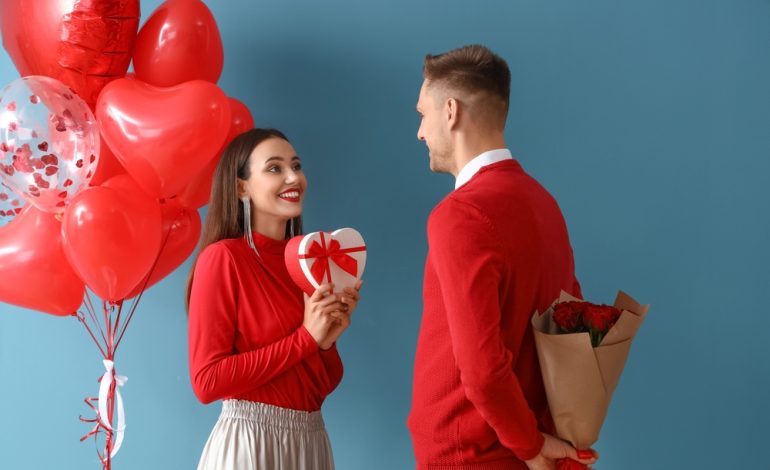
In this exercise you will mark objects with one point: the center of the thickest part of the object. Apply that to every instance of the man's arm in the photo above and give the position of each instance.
(467, 258)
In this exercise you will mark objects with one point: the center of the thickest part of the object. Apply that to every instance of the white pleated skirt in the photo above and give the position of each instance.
(257, 436)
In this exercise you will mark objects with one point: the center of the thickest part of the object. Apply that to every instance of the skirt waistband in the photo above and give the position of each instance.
(272, 415)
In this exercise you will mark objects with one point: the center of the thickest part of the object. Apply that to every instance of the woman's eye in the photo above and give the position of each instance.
(274, 169)
(297, 167)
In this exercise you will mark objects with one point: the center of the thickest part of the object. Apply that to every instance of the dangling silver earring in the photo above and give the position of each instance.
(246, 201)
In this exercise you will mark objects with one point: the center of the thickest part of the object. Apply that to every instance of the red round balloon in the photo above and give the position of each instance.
(163, 137)
(112, 236)
(83, 44)
(180, 231)
(36, 273)
(198, 191)
(179, 42)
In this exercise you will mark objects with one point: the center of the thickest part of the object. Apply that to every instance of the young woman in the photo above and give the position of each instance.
(255, 340)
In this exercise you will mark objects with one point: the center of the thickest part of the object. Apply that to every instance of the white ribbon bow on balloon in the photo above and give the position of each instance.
(104, 390)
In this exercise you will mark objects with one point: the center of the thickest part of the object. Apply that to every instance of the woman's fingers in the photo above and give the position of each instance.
(339, 316)
(321, 292)
(336, 306)
(352, 294)
(328, 300)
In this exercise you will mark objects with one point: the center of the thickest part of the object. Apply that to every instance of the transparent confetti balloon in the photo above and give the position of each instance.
(10, 204)
(49, 142)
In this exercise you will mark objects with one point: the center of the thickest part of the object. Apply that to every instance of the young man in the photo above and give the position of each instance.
(498, 251)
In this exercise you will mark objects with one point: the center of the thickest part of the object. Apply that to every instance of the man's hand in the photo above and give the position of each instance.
(553, 450)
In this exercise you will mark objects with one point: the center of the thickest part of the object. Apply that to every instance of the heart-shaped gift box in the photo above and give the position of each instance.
(320, 258)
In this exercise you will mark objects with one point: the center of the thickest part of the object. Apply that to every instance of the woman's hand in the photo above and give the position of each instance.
(318, 308)
(350, 297)
(349, 300)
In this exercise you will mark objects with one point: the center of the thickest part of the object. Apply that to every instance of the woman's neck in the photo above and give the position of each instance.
(269, 226)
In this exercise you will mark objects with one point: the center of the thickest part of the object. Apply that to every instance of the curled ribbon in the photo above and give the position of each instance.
(323, 253)
(104, 390)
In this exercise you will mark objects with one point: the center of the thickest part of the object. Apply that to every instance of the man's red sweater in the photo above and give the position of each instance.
(498, 250)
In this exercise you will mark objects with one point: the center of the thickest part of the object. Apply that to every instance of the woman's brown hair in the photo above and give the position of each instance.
(225, 214)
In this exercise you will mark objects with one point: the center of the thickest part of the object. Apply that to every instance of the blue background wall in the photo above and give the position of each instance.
(647, 120)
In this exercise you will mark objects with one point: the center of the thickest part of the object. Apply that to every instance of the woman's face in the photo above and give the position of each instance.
(277, 184)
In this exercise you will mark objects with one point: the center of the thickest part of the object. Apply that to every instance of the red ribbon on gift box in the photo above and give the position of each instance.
(322, 253)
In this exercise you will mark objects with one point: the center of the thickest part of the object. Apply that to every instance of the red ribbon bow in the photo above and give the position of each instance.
(323, 253)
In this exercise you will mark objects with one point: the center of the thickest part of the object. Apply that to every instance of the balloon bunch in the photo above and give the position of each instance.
(102, 173)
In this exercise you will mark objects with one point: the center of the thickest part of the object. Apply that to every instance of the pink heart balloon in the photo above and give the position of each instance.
(35, 271)
(85, 44)
(163, 137)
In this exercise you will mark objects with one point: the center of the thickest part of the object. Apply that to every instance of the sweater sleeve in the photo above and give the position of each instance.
(468, 265)
(216, 370)
(333, 364)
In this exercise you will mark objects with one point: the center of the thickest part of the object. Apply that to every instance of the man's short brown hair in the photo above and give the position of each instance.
(471, 69)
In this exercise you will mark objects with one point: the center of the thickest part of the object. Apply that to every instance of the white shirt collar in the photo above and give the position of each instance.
(473, 166)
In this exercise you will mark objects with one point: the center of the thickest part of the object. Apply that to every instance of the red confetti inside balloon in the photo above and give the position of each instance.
(50, 134)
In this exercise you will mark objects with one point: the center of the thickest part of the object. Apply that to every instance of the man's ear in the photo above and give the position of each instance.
(452, 110)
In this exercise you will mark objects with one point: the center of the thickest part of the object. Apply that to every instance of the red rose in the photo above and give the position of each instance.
(600, 317)
(569, 316)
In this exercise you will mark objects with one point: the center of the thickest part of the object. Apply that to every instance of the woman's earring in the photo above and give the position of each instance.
(246, 201)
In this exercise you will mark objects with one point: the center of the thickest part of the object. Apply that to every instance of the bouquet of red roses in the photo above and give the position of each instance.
(582, 348)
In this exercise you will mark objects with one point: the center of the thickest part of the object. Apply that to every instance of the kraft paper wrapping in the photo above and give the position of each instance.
(579, 379)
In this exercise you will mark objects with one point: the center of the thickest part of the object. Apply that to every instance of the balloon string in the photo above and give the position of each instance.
(82, 320)
(98, 427)
(144, 286)
(117, 319)
(108, 309)
(92, 313)
(112, 339)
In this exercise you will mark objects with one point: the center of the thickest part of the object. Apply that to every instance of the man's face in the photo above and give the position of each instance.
(434, 129)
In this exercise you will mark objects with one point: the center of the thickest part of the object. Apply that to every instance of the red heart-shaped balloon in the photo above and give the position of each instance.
(163, 137)
(179, 42)
(35, 271)
(198, 190)
(179, 236)
(111, 236)
(84, 44)
(108, 166)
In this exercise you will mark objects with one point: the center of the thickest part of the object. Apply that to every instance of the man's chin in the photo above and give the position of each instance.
(436, 167)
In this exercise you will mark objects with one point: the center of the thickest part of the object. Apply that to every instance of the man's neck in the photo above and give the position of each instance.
(468, 150)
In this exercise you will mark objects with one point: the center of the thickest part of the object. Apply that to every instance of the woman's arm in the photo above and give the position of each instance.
(216, 370)
(333, 365)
